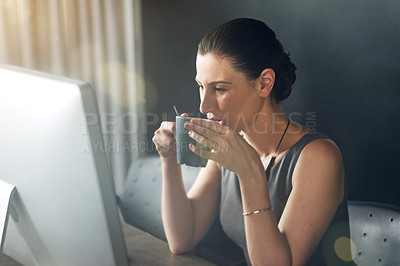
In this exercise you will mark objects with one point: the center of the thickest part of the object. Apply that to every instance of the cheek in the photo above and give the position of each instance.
(231, 107)
(228, 104)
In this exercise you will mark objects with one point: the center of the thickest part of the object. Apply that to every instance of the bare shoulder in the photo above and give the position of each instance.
(320, 162)
(321, 150)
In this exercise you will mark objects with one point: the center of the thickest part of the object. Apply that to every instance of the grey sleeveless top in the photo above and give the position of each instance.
(280, 186)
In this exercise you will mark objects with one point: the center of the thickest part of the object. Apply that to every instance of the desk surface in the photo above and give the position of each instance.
(143, 249)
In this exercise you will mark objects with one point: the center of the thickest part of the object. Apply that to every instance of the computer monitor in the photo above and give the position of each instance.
(64, 209)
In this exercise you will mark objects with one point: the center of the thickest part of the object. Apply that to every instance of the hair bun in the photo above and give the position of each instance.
(285, 77)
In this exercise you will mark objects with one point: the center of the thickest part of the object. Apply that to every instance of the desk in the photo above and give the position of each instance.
(143, 249)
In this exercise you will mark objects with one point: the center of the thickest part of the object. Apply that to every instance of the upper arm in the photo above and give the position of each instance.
(318, 189)
(204, 196)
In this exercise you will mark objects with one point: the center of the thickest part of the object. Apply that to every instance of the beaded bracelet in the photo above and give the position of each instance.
(257, 211)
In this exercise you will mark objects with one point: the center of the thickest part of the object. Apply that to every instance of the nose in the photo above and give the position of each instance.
(207, 104)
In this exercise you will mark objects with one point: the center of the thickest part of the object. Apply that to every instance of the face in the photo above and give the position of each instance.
(225, 93)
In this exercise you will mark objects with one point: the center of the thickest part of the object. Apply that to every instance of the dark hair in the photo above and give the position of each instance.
(252, 46)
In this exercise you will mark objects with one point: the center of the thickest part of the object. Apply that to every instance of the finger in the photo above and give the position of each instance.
(166, 140)
(164, 147)
(213, 146)
(164, 132)
(168, 127)
(204, 131)
(215, 126)
(205, 142)
(185, 115)
(201, 152)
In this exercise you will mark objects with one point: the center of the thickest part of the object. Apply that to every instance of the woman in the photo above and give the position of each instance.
(276, 187)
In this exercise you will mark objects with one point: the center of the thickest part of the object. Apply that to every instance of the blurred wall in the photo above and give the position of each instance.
(347, 79)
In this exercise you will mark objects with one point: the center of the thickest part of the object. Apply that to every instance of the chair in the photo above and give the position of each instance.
(375, 233)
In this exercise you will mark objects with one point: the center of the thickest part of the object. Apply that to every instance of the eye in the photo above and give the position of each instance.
(220, 90)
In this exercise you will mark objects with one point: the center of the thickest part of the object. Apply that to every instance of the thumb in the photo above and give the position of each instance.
(184, 115)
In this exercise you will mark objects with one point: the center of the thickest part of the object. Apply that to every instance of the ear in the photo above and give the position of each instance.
(266, 79)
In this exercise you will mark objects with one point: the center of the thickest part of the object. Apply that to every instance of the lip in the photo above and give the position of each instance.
(213, 119)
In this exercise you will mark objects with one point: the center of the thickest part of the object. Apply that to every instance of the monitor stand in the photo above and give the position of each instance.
(6, 193)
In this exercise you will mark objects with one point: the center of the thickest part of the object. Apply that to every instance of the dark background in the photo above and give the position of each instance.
(347, 84)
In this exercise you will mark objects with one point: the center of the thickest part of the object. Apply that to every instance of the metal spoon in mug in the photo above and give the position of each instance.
(176, 111)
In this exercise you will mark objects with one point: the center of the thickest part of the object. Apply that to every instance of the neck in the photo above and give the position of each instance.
(267, 129)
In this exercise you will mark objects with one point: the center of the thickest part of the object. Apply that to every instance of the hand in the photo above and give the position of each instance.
(164, 139)
(226, 147)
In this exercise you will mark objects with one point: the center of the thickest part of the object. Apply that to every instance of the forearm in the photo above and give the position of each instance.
(177, 213)
(265, 242)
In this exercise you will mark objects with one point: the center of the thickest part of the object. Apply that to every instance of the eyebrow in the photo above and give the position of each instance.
(215, 82)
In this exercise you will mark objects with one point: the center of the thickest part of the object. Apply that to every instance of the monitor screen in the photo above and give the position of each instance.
(64, 209)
